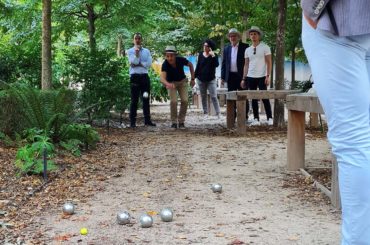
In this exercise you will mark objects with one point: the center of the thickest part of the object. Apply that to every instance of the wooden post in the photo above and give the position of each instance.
(230, 113)
(314, 120)
(296, 139)
(335, 195)
(241, 115)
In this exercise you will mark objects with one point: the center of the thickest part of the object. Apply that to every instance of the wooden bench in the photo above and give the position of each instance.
(298, 105)
(239, 98)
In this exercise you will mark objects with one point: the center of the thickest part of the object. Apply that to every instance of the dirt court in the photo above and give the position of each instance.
(175, 168)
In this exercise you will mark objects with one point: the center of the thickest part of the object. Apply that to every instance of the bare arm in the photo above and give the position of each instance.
(164, 81)
(245, 72)
(268, 68)
(191, 68)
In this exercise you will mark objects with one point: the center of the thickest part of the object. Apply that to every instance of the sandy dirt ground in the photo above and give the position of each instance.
(175, 168)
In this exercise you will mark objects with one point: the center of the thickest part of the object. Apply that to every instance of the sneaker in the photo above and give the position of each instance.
(174, 125)
(150, 123)
(255, 122)
(270, 122)
(132, 125)
(205, 116)
(181, 125)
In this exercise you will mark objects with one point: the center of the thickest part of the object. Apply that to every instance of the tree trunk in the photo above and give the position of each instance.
(293, 65)
(91, 17)
(245, 27)
(222, 44)
(120, 50)
(272, 67)
(46, 71)
(280, 46)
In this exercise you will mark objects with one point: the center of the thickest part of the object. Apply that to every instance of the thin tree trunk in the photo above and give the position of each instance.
(280, 48)
(46, 70)
(91, 17)
(119, 46)
(245, 27)
(272, 67)
(293, 65)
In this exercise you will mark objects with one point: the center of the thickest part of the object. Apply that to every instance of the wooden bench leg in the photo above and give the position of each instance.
(314, 120)
(296, 140)
(230, 114)
(335, 195)
(240, 115)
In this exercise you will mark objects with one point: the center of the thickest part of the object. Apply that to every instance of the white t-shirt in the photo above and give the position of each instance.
(257, 62)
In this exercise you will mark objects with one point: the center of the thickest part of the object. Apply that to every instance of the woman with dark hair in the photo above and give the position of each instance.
(205, 73)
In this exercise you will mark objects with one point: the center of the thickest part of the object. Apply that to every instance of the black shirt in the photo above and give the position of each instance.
(206, 68)
(175, 74)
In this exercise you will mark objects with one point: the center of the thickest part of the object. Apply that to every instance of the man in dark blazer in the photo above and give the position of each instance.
(233, 62)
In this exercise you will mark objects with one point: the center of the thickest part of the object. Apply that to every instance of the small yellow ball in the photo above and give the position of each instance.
(83, 231)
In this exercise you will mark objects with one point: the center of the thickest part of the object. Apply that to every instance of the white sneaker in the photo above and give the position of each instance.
(255, 122)
(270, 122)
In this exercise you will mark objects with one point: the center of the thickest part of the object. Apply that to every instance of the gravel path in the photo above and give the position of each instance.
(174, 168)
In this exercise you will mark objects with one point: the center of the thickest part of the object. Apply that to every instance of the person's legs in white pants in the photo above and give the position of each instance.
(341, 77)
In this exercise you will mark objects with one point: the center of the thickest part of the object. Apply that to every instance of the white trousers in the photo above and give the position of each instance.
(340, 68)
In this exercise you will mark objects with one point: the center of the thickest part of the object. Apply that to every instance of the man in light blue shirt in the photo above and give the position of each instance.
(140, 61)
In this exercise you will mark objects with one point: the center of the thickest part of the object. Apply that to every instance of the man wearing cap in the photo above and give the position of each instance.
(257, 70)
(233, 62)
(140, 61)
(173, 77)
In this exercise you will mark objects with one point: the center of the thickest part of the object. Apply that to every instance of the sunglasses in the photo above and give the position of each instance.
(254, 50)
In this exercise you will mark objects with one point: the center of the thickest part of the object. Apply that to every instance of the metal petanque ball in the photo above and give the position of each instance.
(146, 221)
(68, 208)
(216, 187)
(145, 95)
(166, 215)
(123, 218)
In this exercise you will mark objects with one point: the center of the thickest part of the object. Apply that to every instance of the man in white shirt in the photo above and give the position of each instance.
(140, 61)
(257, 70)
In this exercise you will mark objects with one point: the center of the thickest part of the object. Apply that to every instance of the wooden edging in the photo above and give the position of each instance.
(319, 186)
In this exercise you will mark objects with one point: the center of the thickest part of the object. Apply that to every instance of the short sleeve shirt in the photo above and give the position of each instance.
(257, 62)
(175, 74)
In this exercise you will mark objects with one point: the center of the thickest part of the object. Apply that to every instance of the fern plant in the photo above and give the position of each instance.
(29, 158)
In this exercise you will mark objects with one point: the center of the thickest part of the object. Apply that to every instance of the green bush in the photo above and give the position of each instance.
(105, 83)
(82, 132)
(29, 158)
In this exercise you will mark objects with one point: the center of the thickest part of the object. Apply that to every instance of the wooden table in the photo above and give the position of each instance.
(298, 105)
(239, 98)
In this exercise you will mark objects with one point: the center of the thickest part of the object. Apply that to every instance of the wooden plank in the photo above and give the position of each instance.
(264, 94)
(231, 95)
(304, 102)
(241, 115)
(230, 113)
(296, 140)
(335, 195)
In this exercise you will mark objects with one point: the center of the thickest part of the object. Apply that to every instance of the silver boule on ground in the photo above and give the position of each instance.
(166, 215)
(146, 221)
(123, 218)
(68, 208)
(217, 188)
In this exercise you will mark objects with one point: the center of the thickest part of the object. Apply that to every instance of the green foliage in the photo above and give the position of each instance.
(24, 108)
(29, 158)
(104, 83)
(72, 146)
(82, 132)
(304, 86)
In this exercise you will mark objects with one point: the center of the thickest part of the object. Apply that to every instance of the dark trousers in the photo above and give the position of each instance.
(140, 83)
(253, 84)
(233, 84)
